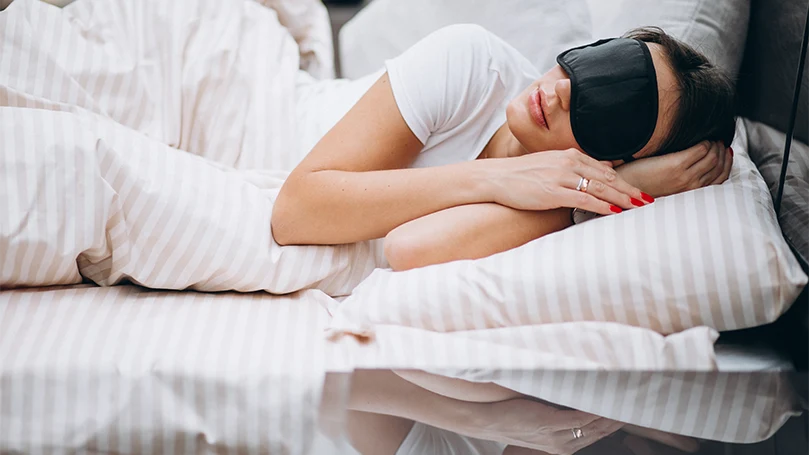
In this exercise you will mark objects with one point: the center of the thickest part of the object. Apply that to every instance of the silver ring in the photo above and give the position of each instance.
(583, 183)
(577, 433)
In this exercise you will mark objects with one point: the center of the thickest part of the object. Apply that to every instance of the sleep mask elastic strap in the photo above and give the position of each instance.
(613, 101)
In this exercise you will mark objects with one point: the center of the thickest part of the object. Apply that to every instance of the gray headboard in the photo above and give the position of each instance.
(767, 76)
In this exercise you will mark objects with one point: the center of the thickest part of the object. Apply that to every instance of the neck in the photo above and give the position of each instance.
(503, 144)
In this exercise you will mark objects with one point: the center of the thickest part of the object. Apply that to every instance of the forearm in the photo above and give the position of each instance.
(383, 392)
(468, 232)
(334, 206)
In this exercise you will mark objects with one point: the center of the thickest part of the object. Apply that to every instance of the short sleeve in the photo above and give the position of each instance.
(442, 79)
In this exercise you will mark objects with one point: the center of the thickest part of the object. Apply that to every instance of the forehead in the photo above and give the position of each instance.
(668, 95)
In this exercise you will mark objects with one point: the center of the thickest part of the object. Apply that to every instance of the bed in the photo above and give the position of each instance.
(164, 356)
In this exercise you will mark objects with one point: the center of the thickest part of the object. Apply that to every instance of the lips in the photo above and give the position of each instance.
(535, 108)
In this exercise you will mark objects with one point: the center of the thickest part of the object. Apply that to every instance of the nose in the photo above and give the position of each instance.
(562, 90)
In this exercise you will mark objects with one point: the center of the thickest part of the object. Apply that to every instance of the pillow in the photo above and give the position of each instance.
(767, 152)
(386, 28)
(716, 28)
(711, 257)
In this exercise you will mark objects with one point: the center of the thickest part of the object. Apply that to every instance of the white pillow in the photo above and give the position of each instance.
(718, 29)
(712, 257)
(385, 28)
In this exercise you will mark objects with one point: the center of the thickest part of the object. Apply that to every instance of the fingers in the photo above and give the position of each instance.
(585, 201)
(606, 193)
(590, 434)
(728, 166)
(568, 419)
(694, 154)
(592, 169)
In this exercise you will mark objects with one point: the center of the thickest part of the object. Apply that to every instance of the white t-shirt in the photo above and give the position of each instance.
(452, 89)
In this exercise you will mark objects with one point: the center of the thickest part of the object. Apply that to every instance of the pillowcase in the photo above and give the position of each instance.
(712, 257)
(716, 28)
(386, 28)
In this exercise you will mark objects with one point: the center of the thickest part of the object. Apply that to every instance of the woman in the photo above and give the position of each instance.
(441, 156)
(439, 151)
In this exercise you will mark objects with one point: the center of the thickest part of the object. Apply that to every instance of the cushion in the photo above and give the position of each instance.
(716, 28)
(712, 257)
(385, 28)
(767, 152)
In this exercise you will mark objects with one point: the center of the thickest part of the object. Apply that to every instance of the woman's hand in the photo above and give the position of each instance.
(534, 425)
(699, 166)
(548, 180)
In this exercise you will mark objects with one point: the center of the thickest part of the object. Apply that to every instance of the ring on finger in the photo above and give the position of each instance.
(577, 433)
(582, 186)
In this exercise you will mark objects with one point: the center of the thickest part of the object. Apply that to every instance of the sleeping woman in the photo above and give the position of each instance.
(460, 150)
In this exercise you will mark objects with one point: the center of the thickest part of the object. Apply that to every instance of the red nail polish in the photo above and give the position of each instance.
(615, 209)
(636, 202)
(730, 149)
(647, 198)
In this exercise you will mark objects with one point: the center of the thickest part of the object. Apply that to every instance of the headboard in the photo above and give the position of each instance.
(766, 89)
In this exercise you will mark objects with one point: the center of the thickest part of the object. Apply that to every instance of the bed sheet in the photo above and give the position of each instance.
(124, 369)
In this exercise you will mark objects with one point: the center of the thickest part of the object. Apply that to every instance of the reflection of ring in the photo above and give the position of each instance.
(582, 186)
(577, 433)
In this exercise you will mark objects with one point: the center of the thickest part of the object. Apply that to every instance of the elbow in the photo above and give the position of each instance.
(279, 227)
(404, 252)
(283, 219)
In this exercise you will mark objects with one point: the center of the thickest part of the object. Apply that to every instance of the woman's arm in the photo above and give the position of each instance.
(468, 232)
(520, 422)
(352, 185)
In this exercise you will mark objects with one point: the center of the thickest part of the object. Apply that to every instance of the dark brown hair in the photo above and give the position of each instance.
(707, 100)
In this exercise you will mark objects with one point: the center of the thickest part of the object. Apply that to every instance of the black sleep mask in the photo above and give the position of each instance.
(613, 99)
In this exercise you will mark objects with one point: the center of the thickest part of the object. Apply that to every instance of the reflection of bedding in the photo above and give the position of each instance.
(90, 123)
(126, 370)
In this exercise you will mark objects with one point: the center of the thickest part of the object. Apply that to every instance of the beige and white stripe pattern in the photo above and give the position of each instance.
(124, 148)
(88, 197)
(126, 370)
(212, 77)
(93, 182)
(712, 257)
(628, 374)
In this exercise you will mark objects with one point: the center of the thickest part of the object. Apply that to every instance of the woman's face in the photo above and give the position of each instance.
(539, 117)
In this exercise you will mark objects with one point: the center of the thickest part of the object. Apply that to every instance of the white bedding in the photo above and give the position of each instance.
(144, 141)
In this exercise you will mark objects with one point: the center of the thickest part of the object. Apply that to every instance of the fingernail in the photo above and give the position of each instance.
(615, 209)
(647, 198)
(730, 149)
(636, 202)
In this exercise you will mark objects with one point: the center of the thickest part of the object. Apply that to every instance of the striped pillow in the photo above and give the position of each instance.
(712, 257)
